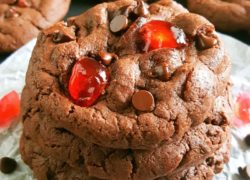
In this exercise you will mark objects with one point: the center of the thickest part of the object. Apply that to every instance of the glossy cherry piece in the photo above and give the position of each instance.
(88, 81)
(9, 108)
(161, 34)
(242, 107)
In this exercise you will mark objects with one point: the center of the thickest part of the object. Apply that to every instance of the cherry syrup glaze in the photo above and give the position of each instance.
(88, 81)
(9, 108)
(242, 109)
(161, 34)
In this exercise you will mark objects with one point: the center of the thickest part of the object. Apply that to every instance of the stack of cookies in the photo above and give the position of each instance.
(128, 90)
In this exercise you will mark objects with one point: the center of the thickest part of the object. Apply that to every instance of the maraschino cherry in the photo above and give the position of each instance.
(161, 34)
(9, 108)
(88, 81)
(242, 108)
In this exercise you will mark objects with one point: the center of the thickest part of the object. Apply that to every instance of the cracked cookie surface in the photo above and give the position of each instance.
(161, 109)
(180, 159)
(22, 20)
(198, 77)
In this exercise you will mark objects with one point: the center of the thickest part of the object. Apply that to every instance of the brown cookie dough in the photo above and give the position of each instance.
(197, 75)
(47, 167)
(106, 163)
(164, 112)
(22, 20)
(229, 15)
(207, 169)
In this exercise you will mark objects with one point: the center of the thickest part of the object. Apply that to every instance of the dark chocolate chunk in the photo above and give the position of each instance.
(247, 140)
(7, 165)
(244, 172)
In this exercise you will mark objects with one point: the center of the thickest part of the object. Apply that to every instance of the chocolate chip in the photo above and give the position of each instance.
(143, 100)
(141, 9)
(118, 23)
(247, 140)
(106, 57)
(11, 13)
(245, 172)
(7, 165)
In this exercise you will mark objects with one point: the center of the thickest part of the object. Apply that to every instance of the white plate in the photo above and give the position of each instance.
(12, 78)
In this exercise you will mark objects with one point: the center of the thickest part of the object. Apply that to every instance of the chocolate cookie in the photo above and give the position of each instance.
(230, 15)
(146, 90)
(127, 90)
(22, 20)
(106, 163)
(47, 167)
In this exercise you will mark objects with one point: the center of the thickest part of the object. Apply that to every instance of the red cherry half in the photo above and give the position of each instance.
(9, 108)
(161, 34)
(88, 81)
(242, 108)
